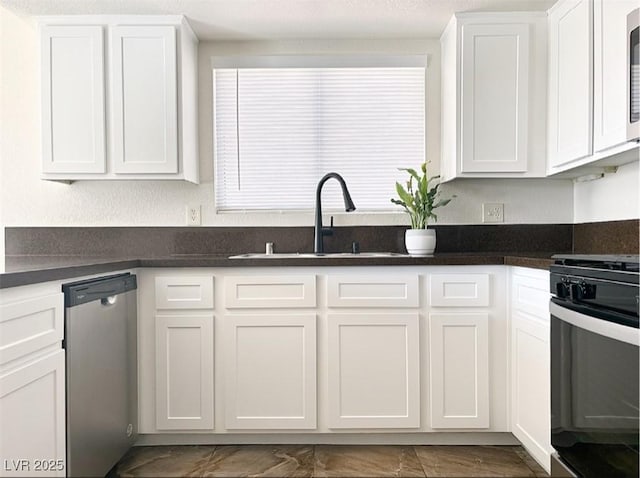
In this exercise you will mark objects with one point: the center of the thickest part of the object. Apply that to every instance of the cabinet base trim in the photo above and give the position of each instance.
(437, 438)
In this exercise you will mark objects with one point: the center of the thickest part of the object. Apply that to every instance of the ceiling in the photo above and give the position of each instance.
(291, 19)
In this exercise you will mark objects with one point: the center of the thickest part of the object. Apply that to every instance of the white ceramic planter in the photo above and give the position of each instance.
(420, 242)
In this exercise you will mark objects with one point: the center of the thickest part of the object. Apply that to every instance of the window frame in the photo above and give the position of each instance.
(310, 61)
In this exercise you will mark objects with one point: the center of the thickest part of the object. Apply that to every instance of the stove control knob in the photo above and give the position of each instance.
(583, 291)
(562, 290)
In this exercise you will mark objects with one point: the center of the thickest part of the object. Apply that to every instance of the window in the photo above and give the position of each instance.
(278, 130)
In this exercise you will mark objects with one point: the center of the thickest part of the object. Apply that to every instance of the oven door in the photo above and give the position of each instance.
(594, 392)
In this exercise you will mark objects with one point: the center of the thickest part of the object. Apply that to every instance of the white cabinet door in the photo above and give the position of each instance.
(32, 415)
(530, 370)
(459, 360)
(570, 82)
(184, 372)
(144, 99)
(530, 389)
(609, 67)
(495, 98)
(374, 376)
(271, 372)
(73, 97)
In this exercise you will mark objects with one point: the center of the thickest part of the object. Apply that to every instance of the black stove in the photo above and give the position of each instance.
(595, 358)
(606, 286)
(614, 262)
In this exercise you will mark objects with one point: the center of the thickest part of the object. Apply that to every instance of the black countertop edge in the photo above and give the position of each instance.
(51, 272)
(26, 270)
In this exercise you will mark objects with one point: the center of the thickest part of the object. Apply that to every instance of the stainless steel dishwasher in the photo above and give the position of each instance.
(101, 379)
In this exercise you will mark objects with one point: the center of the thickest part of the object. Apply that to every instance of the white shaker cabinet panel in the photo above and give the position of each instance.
(144, 99)
(570, 83)
(271, 372)
(530, 292)
(459, 360)
(29, 325)
(266, 292)
(370, 291)
(459, 290)
(184, 292)
(530, 367)
(530, 389)
(374, 376)
(32, 413)
(494, 92)
(184, 372)
(73, 100)
(609, 79)
(495, 96)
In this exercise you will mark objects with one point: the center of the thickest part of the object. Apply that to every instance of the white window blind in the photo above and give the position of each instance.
(279, 130)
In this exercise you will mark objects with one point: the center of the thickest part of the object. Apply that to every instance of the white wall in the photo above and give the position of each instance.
(614, 197)
(27, 201)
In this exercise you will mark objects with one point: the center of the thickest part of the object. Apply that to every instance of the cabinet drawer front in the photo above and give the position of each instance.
(530, 294)
(184, 292)
(459, 290)
(30, 325)
(270, 292)
(367, 291)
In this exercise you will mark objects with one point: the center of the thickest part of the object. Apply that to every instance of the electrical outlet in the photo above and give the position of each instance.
(193, 216)
(493, 212)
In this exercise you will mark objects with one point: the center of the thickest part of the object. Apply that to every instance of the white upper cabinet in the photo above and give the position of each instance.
(145, 110)
(126, 82)
(570, 82)
(493, 95)
(587, 86)
(610, 65)
(73, 99)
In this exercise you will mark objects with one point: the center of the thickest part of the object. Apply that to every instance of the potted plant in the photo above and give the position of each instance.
(419, 199)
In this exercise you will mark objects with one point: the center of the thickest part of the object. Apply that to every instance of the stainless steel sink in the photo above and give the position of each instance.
(311, 255)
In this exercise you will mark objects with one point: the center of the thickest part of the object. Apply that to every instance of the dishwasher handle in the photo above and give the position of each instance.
(104, 289)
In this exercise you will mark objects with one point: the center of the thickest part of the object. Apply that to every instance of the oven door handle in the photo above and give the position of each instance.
(602, 327)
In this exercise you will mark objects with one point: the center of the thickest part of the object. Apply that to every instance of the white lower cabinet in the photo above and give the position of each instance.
(394, 349)
(32, 381)
(270, 370)
(32, 441)
(459, 359)
(530, 363)
(374, 376)
(184, 372)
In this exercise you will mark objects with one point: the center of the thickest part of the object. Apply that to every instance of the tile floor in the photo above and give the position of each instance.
(328, 461)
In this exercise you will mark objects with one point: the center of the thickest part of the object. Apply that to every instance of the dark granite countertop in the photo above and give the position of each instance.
(24, 270)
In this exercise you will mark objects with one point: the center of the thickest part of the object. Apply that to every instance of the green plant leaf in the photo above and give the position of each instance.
(412, 172)
(405, 196)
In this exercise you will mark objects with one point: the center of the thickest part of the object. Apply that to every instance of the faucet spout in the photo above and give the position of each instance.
(319, 231)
